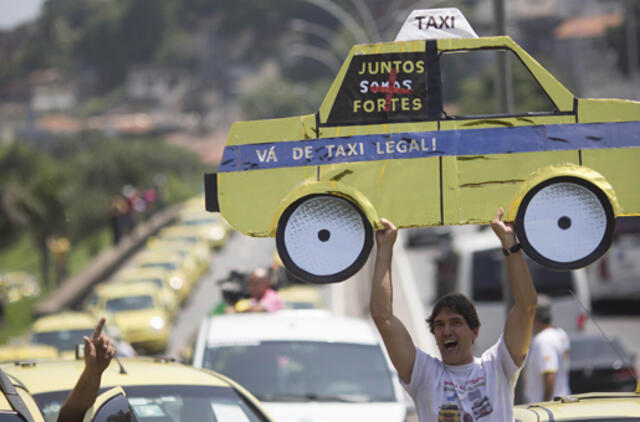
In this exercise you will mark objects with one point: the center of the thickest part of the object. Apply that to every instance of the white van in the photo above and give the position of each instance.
(305, 365)
(616, 275)
(475, 265)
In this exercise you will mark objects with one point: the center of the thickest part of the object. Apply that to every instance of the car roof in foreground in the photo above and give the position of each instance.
(57, 375)
(302, 325)
(578, 407)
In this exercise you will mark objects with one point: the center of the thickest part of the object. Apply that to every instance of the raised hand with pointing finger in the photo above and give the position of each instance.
(98, 352)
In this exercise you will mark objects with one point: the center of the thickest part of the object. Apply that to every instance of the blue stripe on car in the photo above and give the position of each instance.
(504, 140)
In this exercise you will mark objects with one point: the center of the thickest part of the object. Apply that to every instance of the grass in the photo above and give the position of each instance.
(24, 256)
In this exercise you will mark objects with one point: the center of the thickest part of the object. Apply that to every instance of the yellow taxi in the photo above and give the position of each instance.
(158, 276)
(16, 404)
(27, 352)
(63, 330)
(136, 310)
(216, 229)
(158, 390)
(300, 296)
(586, 407)
(196, 255)
(386, 143)
(16, 285)
(181, 275)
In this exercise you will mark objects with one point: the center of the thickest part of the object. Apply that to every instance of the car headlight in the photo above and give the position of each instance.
(216, 233)
(175, 283)
(156, 323)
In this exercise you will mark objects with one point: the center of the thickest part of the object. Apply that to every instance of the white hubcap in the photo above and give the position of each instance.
(324, 235)
(565, 222)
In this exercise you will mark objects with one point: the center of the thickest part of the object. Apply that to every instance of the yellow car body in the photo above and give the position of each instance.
(63, 331)
(27, 352)
(215, 228)
(582, 407)
(181, 275)
(394, 153)
(50, 382)
(16, 404)
(196, 255)
(158, 276)
(136, 310)
(302, 297)
(16, 285)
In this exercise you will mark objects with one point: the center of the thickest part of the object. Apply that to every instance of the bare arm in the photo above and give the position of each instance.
(98, 352)
(549, 380)
(396, 338)
(517, 330)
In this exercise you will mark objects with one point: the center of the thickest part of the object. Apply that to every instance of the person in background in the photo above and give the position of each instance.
(263, 297)
(460, 386)
(547, 370)
(98, 352)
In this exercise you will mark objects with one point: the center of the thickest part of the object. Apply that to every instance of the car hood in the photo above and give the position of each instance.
(336, 412)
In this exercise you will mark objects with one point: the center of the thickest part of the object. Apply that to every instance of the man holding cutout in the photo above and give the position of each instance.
(459, 387)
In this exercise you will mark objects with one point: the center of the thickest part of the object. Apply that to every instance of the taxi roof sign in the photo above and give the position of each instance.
(431, 24)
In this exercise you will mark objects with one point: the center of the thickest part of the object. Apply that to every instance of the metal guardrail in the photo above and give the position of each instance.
(74, 289)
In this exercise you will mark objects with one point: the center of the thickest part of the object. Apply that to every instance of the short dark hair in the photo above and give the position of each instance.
(458, 303)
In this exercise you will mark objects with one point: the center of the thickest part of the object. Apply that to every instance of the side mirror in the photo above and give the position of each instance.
(111, 406)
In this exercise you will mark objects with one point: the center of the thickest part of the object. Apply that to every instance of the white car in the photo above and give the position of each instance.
(305, 365)
(474, 265)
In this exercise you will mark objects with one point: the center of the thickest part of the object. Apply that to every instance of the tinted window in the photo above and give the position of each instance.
(468, 84)
(586, 349)
(487, 275)
(165, 265)
(488, 272)
(300, 371)
(63, 339)
(172, 403)
(131, 303)
(381, 88)
(10, 417)
(156, 281)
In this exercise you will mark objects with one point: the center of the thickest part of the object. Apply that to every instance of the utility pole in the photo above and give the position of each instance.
(632, 42)
(504, 89)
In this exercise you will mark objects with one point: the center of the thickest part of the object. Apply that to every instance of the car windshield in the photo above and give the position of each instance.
(62, 339)
(488, 273)
(586, 349)
(166, 265)
(130, 303)
(304, 371)
(156, 281)
(171, 403)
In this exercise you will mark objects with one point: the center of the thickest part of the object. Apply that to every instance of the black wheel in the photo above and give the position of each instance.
(323, 239)
(565, 223)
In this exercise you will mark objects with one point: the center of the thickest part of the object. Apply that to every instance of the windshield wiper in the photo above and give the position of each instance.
(281, 397)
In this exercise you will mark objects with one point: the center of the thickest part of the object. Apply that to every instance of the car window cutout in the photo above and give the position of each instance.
(472, 71)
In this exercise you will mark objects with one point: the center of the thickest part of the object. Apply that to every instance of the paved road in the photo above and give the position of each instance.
(241, 253)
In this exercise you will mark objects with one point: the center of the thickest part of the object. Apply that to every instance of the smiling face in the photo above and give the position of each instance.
(454, 337)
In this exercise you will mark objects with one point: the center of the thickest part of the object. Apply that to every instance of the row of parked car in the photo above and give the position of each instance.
(141, 300)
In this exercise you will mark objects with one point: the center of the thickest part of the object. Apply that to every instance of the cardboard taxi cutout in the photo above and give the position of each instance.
(382, 145)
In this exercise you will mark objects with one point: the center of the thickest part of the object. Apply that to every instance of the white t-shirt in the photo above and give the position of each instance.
(549, 353)
(482, 390)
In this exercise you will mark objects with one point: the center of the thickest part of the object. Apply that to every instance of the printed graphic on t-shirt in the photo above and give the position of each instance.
(474, 390)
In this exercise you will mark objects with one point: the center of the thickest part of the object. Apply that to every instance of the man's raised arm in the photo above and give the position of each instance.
(396, 338)
(517, 330)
